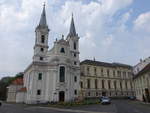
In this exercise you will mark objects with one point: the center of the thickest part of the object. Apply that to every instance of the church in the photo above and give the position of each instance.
(54, 74)
(57, 75)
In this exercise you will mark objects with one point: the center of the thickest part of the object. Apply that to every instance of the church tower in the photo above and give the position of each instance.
(41, 41)
(74, 43)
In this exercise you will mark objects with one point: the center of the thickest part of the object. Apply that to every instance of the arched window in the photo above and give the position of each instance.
(42, 49)
(62, 74)
(62, 50)
(74, 46)
(43, 39)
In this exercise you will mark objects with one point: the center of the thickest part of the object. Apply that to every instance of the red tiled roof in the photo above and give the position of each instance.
(24, 89)
(18, 81)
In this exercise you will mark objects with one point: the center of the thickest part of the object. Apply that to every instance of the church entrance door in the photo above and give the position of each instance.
(61, 96)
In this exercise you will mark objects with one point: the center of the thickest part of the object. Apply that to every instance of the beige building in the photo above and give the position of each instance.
(142, 84)
(105, 79)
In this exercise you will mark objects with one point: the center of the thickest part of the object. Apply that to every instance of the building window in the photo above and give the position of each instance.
(96, 93)
(119, 73)
(89, 93)
(116, 93)
(126, 85)
(108, 73)
(42, 49)
(88, 70)
(38, 92)
(95, 70)
(41, 58)
(75, 55)
(129, 74)
(88, 83)
(43, 39)
(132, 86)
(121, 85)
(115, 85)
(75, 79)
(74, 45)
(81, 84)
(109, 84)
(75, 63)
(75, 92)
(62, 50)
(62, 74)
(102, 72)
(124, 74)
(40, 76)
(95, 83)
(103, 85)
(114, 73)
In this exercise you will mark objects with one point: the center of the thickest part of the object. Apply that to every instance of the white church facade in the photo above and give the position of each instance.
(54, 74)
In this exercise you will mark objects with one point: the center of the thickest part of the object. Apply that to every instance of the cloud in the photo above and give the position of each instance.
(101, 35)
(142, 22)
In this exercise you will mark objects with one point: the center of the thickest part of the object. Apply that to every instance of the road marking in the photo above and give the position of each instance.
(67, 110)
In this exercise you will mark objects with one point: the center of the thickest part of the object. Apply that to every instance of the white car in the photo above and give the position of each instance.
(105, 100)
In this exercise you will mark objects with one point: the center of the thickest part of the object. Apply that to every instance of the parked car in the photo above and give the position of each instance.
(105, 100)
(132, 97)
(101, 98)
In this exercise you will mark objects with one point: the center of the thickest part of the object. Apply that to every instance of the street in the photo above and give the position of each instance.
(117, 106)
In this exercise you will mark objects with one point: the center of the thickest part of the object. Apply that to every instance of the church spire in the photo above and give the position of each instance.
(72, 31)
(43, 17)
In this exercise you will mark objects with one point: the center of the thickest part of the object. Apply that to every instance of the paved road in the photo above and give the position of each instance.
(117, 106)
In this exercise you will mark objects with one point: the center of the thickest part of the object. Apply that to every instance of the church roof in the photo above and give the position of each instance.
(72, 31)
(18, 81)
(43, 18)
(105, 64)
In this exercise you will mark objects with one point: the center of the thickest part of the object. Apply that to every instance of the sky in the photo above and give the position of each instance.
(109, 30)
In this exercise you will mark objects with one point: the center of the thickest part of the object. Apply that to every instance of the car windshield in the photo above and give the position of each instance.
(105, 98)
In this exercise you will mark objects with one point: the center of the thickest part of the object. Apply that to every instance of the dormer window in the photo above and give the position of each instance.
(42, 39)
(74, 46)
(62, 50)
